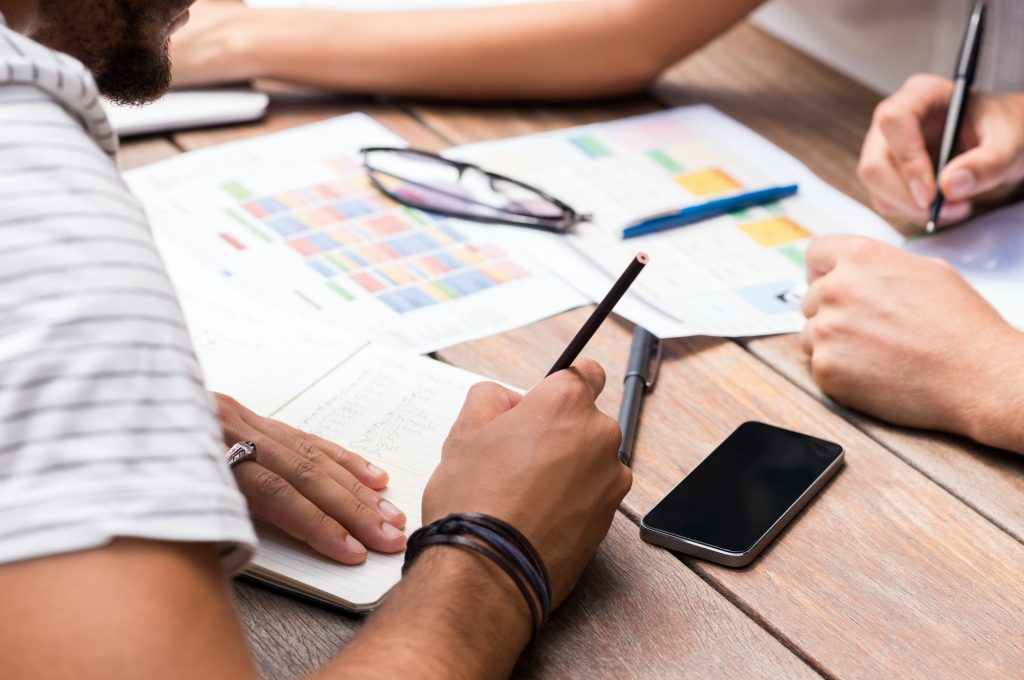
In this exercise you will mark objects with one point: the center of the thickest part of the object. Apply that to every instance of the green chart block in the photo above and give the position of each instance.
(257, 232)
(590, 146)
(774, 209)
(446, 289)
(237, 190)
(666, 161)
(340, 291)
(794, 254)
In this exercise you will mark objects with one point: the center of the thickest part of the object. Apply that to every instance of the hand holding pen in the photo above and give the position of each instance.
(898, 170)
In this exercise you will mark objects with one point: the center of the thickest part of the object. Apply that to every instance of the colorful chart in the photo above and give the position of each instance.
(728, 276)
(362, 243)
(623, 170)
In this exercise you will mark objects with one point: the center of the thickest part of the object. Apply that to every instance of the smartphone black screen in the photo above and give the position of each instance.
(738, 492)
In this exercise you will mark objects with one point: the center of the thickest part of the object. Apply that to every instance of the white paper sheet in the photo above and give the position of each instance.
(291, 221)
(989, 253)
(722, 277)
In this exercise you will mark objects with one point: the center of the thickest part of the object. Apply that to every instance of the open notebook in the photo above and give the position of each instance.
(393, 408)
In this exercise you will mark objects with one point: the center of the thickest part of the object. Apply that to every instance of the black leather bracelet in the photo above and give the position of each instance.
(500, 543)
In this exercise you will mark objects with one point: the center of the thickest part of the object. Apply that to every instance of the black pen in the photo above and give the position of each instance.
(966, 69)
(640, 378)
(604, 308)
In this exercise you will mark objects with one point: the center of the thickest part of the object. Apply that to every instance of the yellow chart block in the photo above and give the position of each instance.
(707, 182)
(776, 231)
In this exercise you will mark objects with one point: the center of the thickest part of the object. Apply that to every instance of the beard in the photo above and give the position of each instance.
(127, 46)
(135, 73)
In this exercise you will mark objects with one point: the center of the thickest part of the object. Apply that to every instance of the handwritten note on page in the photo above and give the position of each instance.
(395, 410)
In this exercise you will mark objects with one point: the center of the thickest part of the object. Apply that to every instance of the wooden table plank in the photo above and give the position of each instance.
(700, 631)
(689, 630)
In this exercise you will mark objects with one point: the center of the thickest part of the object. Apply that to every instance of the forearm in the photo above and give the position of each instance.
(455, 615)
(993, 404)
(556, 51)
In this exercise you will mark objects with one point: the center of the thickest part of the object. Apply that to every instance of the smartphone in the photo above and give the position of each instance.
(742, 495)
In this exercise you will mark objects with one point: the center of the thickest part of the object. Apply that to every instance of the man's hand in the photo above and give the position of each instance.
(545, 463)
(906, 339)
(311, 488)
(210, 48)
(896, 162)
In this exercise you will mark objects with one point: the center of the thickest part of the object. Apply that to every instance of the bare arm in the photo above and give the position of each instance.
(142, 609)
(555, 51)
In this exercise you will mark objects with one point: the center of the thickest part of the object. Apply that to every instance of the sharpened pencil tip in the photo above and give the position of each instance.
(930, 227)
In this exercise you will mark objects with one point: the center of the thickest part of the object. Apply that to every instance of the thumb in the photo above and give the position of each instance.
(485, 402)
(975, 172)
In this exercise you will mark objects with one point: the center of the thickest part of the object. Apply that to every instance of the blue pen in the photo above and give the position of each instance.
(705, 211)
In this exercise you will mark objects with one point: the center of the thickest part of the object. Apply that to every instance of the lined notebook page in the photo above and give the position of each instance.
(395, 410)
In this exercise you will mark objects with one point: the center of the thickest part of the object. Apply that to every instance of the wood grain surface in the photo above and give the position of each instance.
(907, 565)
(637, 612)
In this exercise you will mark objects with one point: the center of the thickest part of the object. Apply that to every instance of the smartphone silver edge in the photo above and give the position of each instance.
(734, 559)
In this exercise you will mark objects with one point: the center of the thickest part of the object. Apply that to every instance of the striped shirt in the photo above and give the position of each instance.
(106, 429)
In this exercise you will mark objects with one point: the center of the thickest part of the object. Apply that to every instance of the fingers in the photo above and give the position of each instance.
(822, 255)
(332, 490)
(895, 161)
(976, 171)
(318, 447)
(901, 119)
(277, 501)
(318, 473)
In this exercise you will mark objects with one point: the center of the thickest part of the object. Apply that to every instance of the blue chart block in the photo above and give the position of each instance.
(323, 241)
(272, 205)
(406, 300)
(355, 207)
(768, 297)
(413, 244)
(286, 225)
(469, 282)
(321, 267)
(355, 258)
(452, 233)
(452, 262)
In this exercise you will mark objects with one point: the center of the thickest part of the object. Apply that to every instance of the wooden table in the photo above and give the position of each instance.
(910, 563)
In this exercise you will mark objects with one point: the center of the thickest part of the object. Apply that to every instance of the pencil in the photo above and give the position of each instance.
(589, 328)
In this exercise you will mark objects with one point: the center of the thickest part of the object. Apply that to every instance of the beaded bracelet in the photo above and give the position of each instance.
(498, 542)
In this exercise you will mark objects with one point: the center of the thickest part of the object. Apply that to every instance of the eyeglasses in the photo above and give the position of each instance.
(426, 181)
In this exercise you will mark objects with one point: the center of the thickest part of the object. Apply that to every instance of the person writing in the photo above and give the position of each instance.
(902, 337)
(119, 518)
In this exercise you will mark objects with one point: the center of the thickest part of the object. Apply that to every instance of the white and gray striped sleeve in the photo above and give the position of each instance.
(106, 429)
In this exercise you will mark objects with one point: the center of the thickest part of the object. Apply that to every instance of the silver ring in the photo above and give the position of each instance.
(241, 452)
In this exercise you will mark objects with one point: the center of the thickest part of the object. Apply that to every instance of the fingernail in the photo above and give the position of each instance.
(355, 546)
(374, 470)
(388, 509)
(390, 531)
(920, 193)
(961, 184)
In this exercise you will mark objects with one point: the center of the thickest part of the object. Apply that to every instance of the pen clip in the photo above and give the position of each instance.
(649, 384)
